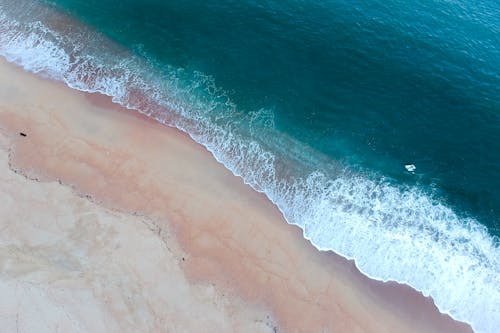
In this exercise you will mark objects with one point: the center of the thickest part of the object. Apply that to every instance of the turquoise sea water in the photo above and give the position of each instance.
(320, 105)
(377, 85)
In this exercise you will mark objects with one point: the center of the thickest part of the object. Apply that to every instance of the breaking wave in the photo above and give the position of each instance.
(396, 233)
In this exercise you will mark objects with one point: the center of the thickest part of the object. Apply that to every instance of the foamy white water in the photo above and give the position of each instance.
(393, 233)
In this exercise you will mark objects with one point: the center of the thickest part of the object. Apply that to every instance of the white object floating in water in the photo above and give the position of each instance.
(410, 167)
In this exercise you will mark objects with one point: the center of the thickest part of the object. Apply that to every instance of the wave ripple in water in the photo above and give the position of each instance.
(393, 232)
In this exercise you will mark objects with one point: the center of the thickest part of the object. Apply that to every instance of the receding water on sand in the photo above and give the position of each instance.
(337, 168)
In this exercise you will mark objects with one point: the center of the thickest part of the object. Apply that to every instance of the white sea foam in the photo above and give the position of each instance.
(393, 233)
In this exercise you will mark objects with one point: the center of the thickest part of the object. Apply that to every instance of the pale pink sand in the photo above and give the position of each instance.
(69, 265)
(233, 238)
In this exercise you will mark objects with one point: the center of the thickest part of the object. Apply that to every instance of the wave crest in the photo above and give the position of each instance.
(393, 233)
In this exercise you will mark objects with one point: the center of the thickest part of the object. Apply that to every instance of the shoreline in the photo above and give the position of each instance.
(207, 241)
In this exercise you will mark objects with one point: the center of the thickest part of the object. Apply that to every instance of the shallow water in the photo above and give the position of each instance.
(320, 105)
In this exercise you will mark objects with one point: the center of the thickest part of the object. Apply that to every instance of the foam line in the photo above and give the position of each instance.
(392, 232)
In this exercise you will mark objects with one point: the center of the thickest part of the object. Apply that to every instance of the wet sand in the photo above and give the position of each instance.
(123, 224)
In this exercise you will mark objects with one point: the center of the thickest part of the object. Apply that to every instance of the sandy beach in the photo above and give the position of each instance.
(112, 222)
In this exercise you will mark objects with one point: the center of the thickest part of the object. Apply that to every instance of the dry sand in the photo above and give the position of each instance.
(123, 224)
(69, 265)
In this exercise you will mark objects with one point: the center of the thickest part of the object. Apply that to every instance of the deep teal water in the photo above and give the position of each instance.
(320, 105)
(376, 85)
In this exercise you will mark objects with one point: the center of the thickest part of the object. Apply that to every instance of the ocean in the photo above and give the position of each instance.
(372, 125)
